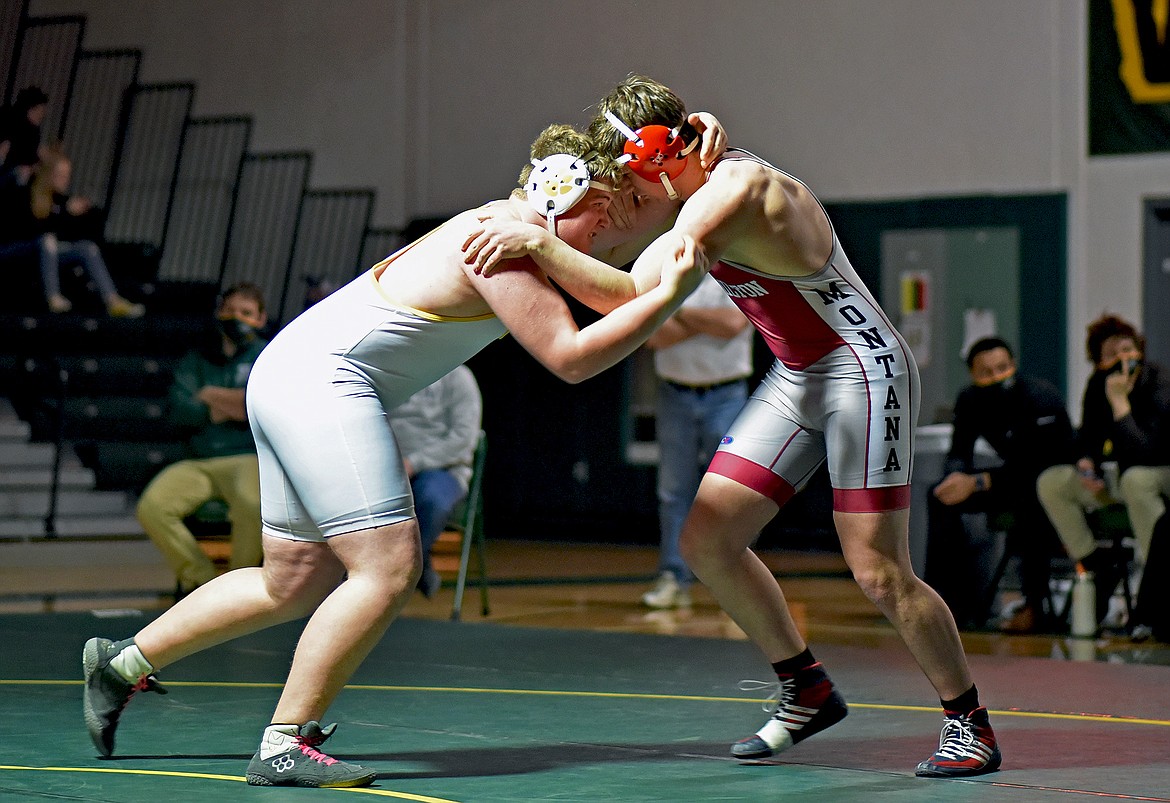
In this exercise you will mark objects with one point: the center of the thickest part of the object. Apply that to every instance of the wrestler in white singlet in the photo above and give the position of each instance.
(844, 387)
(340, 365)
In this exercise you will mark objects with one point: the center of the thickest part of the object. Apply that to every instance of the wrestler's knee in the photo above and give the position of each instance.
(389, 558)
(880, 580)
(299, 574)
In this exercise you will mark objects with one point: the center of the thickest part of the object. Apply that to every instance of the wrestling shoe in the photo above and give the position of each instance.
(667, 593)
(802, 705)
(288, 756)
(106, 692)
(966, 747)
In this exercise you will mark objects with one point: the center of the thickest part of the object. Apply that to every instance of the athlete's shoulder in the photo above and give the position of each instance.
(740, 166)
(729, 185)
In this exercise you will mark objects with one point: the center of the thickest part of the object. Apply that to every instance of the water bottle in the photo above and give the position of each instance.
(1083, 623)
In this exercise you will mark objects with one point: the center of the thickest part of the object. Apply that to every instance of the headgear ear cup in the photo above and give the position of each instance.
(653, 152)
(557, 183)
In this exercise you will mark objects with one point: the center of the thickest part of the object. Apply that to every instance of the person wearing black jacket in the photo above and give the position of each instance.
(1123, 448)
(1025, 421)
(20, 135)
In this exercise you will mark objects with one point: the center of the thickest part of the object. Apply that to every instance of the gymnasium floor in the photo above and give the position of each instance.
(570, 691)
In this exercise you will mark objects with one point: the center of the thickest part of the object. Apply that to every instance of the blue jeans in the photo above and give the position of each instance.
(53, 254)
(689, 427)
(436, 494)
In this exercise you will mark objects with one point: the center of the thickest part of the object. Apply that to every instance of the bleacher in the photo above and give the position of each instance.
(189, 207)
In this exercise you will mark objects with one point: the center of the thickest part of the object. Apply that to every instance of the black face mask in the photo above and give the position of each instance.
(994, 390)
(236, 331)
(1129, 366)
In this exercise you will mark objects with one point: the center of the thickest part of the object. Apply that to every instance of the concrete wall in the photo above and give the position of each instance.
(433, 102)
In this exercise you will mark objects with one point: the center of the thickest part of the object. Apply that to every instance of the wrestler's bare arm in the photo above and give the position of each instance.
(713, 217)
(539, 319)
(500, 241)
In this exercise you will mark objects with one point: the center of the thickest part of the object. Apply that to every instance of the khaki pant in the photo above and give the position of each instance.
(180, 489)
(1065, 500)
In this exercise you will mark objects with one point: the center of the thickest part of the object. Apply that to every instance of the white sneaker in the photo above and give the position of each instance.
(667, 593)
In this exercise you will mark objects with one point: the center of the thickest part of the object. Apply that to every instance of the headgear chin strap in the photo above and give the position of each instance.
(654, 152)
(557, 183)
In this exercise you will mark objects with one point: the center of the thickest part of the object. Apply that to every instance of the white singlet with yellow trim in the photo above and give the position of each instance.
(317, 401)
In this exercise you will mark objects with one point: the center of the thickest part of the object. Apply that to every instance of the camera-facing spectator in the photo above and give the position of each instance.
(1123, 450)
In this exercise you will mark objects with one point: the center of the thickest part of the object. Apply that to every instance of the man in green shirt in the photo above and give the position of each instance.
(207, 396)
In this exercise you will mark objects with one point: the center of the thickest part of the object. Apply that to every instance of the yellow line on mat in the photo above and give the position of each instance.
(214, 777)
(1123, 720)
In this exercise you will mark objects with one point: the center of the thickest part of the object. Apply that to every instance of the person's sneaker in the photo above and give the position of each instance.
(288, 756)
(59, 304)
(118, 307)
(1139, 633)
(806, 704)
(966, 747)
(1024, 620)
(106, 692)
(667, 593)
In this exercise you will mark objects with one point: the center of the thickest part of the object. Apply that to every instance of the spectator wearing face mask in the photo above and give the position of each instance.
(1123, 450)
(207, 398)
(1025, 421)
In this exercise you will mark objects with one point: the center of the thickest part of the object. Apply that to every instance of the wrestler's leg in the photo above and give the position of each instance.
(295, 577)
(382, 566)
(876, 547)
(716, 543)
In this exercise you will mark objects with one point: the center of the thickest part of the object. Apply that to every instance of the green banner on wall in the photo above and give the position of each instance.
(1129, 76)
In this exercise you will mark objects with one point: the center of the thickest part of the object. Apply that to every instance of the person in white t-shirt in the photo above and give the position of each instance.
(703, 356)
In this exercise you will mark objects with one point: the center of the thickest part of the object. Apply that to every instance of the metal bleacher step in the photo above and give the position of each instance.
(13, 430)
(18, 502)
(16, 453)
(38, 477)
(71, 527)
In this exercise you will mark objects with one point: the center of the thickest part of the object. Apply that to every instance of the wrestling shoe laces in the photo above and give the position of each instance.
(966, 746)
(289, 756)
(308, 744)
(800, 706)
(107, 693)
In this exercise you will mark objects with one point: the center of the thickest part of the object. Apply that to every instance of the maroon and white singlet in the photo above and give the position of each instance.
(844, 388)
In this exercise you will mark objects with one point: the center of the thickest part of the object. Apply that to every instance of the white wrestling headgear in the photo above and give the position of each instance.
(557, 183)
(654, 152)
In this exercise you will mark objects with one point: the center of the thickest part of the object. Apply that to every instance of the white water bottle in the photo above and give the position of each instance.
(1083, 601)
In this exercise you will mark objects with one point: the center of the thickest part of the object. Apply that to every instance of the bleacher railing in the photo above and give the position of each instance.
(12, 15)
(94, 119)
(47, 58)
(264, 225)
(145, 173)
(328, 247)
(205, 197)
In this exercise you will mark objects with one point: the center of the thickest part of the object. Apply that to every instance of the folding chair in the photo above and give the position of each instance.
(472, 530)
(1110, 525)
